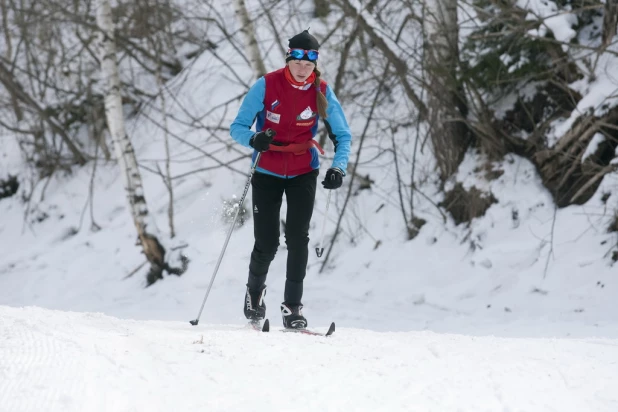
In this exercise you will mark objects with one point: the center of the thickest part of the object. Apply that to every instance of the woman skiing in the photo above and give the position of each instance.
(289, 101)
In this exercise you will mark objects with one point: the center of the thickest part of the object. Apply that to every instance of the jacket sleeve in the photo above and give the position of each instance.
(338, 131)
(252, 104)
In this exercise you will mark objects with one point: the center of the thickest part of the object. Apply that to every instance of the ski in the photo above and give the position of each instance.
(330, 331)
(257, 325)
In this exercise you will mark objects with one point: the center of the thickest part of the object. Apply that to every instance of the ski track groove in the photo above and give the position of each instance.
(61, 361)
(33, 360)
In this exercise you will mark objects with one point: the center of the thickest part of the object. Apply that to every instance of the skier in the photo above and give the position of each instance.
(289, 101)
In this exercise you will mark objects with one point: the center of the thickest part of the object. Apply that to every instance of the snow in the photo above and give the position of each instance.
(66, 361)
(558, 22)
(596, 140)
(514, 312)
(600, 96)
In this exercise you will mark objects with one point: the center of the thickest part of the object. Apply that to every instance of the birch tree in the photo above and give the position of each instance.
(251, 43)
(146, 229)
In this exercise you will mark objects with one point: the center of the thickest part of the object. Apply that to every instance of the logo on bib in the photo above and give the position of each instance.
(306, 114)
(273, 117)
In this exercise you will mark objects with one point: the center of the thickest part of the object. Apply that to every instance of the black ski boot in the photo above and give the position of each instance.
(255, 307)
(293, 317)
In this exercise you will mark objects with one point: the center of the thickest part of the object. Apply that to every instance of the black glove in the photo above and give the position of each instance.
(260, 141)
(333, 179)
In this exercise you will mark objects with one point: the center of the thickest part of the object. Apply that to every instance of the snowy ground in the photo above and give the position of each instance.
(65, 361)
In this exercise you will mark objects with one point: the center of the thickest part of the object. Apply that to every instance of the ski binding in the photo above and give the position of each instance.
(330, 331)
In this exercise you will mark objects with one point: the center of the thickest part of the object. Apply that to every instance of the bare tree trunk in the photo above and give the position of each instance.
(447, 107)
(96, 126)
(251, 43)
(19, 115)
(610, 21)
(168, 173)
(124, 149)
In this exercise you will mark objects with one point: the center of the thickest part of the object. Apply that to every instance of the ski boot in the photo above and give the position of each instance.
(293, 317)
(255, 307)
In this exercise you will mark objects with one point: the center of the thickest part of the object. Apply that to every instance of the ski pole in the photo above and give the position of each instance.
(320, 249)
(270, 133)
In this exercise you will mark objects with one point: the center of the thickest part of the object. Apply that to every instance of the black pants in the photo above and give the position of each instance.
(267, 198)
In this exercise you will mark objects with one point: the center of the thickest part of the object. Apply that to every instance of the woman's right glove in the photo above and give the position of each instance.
(261, 141)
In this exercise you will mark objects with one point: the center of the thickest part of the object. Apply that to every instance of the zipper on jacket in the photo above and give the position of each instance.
(289, 140)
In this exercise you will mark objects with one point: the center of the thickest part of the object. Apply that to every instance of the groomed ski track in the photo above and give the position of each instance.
(66, 361)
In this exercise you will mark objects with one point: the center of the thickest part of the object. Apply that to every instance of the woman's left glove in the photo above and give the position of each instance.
(333, 178)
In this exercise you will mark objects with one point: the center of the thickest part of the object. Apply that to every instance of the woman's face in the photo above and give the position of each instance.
(301, 69)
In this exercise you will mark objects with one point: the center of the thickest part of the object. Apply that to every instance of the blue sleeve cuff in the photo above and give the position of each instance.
(252, 105)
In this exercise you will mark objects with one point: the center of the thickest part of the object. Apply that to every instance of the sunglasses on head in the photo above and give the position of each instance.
(298, 54)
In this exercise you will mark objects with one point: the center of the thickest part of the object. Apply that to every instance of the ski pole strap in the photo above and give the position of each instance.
(296, 148)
